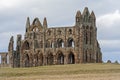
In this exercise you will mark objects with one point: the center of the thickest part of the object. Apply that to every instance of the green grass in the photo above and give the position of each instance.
(53, 71)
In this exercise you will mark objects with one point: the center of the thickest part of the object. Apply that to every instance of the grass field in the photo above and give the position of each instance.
(63, 72)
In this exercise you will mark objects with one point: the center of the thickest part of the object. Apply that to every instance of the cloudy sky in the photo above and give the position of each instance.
(13, 14)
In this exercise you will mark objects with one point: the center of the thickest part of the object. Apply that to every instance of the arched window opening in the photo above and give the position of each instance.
(50, 59)
(35, 29)
(70, 31)
(60, 58)
(26, 45)
(26, 60)
(70, 42)
(52, 46)
(60, 43)
(71, 58)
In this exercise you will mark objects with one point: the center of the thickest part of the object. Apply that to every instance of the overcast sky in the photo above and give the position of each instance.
(13, 14)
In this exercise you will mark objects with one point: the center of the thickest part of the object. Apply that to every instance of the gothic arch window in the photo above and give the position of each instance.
(70, 31)
(26, 45)
(60, 43)
(60, 58)
(70, 42)
(52, 45)
(35, 29)
(71, 58)
(50, 59)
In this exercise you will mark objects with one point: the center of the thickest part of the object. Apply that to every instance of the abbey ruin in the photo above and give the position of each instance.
(44, 45)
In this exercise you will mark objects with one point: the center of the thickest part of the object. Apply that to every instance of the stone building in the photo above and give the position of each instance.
(4, 59)
(43, 45)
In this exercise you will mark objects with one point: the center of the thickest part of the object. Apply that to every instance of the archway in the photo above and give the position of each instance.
(60, 43)
(26, 45)
(70, 42)
(50, 59)
(71, 58)
(60, 58)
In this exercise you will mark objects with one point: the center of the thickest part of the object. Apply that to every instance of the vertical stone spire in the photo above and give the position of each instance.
(92, 15)
(11, 52)
(86, 12)
(78, 18)
(11, 44)
(27, 24)
(45, 23)
(78, 14)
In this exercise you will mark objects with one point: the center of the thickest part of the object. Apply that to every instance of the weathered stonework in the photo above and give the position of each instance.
(59, 45)
(4, 59)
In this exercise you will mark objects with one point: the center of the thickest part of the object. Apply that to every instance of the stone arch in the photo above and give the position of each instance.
(26, 60)
(71, 58)
(50, 58)
(60, 57)
(70, 31)
(60, 43)
(26, 45)
(70, 42)
(36, 25)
